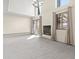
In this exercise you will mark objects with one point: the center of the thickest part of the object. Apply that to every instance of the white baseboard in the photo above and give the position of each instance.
(16, 34)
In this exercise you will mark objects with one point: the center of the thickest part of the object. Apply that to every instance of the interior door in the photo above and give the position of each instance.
(62, 26)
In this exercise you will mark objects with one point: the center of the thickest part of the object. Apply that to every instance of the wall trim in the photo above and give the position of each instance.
(16, 34)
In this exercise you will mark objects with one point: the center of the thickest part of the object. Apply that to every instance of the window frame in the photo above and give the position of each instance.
(58, 2)
(58, 21)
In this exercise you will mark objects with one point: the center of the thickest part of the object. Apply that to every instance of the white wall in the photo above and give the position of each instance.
(15, 16)
(48, 7)
(16, 24)
(5, 6)
(21, 7)
(47, 17)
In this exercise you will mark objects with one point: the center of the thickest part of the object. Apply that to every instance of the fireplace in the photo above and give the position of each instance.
(47, 29)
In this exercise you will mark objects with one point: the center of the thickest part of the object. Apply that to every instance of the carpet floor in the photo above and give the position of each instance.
(33, 47)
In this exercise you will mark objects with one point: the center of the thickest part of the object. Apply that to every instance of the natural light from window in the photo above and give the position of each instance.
(33, 36)
(61, 3)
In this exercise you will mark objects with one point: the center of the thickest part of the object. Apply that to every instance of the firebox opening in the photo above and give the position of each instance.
(47, 29)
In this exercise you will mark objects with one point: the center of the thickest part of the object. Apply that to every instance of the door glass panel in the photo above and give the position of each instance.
(62, 20)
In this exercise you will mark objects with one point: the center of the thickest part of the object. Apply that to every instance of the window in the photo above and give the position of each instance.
(62, 20)
(38, 7)
(62, 3)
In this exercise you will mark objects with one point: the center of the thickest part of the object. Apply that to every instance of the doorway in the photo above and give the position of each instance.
(36, 27)
(62, 26)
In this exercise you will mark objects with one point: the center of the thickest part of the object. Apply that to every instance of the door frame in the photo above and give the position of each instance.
(40, 25)
(70, 26)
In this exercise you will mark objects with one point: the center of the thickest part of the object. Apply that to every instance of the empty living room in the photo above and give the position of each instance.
(38, 29)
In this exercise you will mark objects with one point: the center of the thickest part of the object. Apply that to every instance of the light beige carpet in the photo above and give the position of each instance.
(27, 47)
